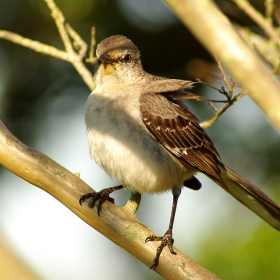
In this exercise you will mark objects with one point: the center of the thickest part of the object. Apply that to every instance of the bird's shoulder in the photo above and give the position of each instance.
(158, 84)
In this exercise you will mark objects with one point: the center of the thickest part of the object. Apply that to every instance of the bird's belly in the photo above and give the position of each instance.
(125, 149)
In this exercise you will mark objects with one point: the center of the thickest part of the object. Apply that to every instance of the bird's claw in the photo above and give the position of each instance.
(165, 240)
(101, 196)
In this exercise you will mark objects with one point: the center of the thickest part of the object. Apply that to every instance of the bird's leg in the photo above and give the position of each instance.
(102, 196)
(167, 238)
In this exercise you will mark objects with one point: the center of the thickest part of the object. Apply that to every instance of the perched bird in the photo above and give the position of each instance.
(141, 132)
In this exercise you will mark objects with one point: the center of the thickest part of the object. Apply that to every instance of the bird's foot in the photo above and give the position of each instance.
(165, 240)
(102, 196)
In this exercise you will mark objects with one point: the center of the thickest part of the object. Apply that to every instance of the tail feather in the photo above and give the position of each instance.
(251, 196)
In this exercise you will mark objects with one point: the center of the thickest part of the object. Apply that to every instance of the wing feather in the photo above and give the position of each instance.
(178, 130)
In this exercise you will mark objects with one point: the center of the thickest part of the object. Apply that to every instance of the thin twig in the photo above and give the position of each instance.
(77, 59)
(60, 24)
(230, 100)
(66, 33)
(39, 47)
(213, 107)
(92, 59)
(264, 23)
(269, 9)
(232, 86)
(220, 111)
(223, 73)
(78, 43)
(34, 45)
(206, 84)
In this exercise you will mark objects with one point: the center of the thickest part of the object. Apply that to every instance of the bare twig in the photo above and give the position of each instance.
(66, 33)
(91, 59)
(269, 9)
(60, 24)
(219, 112)
(229, 102)
(264, 23)
(226, 81)
(76, 59)
(78, 43)
(34, 45)
(220, 90)
(213, 107)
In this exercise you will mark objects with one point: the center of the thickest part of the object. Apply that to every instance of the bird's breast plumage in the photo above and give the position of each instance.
(120, 143)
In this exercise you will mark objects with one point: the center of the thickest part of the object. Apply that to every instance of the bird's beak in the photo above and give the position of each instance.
(104, 58)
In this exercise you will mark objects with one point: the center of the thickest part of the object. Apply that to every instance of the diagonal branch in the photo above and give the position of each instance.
(218, 36)
(119, 224)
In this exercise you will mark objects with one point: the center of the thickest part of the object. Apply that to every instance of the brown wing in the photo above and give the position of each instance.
(178, 130)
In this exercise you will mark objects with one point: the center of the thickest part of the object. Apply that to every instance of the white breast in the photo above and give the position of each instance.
(120, 143)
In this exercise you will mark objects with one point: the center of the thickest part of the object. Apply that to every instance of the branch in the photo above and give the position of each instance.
(216, 33)
(119, 224)
(92, 59)
(229, 93)
(264, 23)
(34, 45)
(75, 58)
(66, 33)
(219, 112)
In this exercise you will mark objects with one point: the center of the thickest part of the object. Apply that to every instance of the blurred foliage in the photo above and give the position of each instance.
(29, 81)
(233, 258)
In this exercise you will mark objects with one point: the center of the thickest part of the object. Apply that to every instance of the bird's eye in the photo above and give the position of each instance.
(126, 58)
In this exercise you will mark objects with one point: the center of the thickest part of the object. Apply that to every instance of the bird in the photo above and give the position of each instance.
(141, 132)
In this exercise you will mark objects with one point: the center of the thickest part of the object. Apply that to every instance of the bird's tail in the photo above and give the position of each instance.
(251, 196)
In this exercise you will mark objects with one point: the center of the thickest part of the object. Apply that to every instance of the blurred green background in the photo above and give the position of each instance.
(41, 102)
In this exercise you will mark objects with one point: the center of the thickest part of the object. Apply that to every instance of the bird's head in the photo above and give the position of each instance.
(119, 60)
